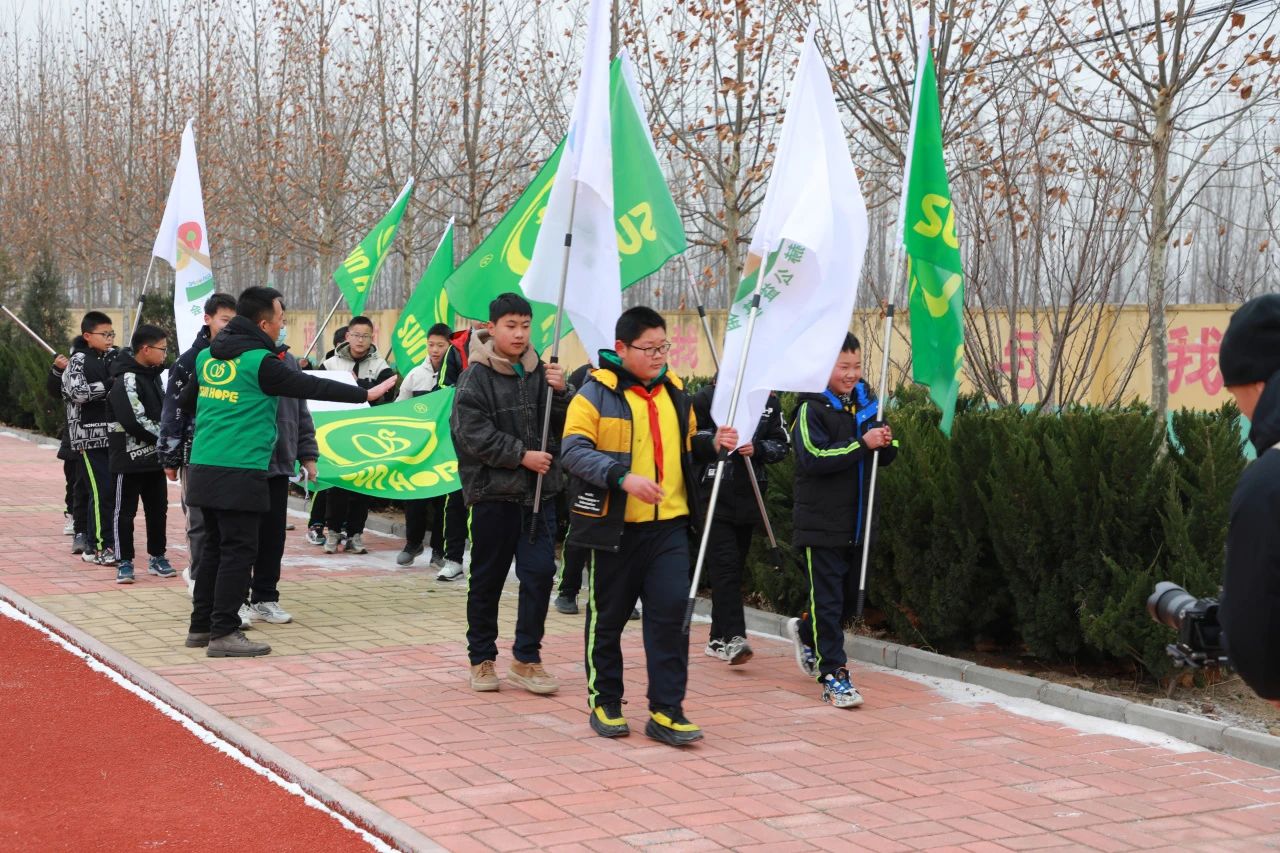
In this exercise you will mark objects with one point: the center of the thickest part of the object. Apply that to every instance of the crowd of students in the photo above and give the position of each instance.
(629, 464)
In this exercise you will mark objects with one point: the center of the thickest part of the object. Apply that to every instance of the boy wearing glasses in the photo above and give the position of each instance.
(348, 511)
(136, 399)
(630, 446)
(85, 383)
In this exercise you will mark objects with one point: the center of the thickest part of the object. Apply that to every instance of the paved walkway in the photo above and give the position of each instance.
(368, 687)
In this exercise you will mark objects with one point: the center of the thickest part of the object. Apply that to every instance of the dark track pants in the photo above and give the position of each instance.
(422, 517)
(500, 532)
(230, 547)
(99, 490)
(152, 489)
(271, 535)
(455, 526)
(575, 561)
(652, 566)
(195, 530)
(346, 511)
(727, 549)
(832, 575)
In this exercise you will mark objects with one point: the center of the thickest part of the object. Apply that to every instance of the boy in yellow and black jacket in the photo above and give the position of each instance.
(630, 446)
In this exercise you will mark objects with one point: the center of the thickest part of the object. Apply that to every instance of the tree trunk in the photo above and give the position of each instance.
(1157, 259)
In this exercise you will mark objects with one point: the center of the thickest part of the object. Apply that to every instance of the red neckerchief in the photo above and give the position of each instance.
(655, 431)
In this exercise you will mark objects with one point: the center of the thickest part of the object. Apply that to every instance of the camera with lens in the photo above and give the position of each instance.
(1196, 621)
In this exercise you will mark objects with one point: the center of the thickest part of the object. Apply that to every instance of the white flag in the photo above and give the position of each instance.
(807, 253)
(183, 241)
(584, 182)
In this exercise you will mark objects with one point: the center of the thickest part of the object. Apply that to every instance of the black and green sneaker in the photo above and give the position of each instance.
(670, 726)
(607, 721)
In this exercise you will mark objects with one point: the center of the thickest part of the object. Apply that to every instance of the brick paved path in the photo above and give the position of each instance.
(368, 686)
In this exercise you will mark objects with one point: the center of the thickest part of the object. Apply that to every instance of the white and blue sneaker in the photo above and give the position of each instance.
(805, 657)
(124, 572)
(839, 690)
(160, 567)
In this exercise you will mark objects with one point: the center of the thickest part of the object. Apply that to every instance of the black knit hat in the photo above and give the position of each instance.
(1250, 349)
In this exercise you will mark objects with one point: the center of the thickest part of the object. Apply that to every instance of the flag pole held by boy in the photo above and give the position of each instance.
(803, 269)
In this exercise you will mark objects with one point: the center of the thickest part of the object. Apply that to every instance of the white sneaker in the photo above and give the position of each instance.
(715, 649)
(451, 570)
(737, 651)
(331, 540)
(245, 621)
(189, 581)
(270, 611)
(69, 529)
(355, 544)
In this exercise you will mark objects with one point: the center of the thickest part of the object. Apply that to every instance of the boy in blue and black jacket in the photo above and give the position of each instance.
(835, 434)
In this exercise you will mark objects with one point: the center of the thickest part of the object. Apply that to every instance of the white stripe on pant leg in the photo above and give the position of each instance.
(115, 523)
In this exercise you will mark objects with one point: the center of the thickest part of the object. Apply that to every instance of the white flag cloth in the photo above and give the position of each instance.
(593, 285)
(806, 252)
(183, 241)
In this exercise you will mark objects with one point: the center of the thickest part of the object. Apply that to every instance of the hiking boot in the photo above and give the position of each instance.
(737, 651)
(532, 677)
(124, 572)
(607, 720)
(236, 645)
(270, 611)
(80, 544)
(246, 617)
(484, 678)
(715, 649)
(567, 604)
(451, 570)
(407, 556)
(160, 567)
(189, 581)
(805, 658)
(69, 529)
(331, 540)
(355, 544)
(197, 639)
(839, 690)
(315, 534)
(670, 726)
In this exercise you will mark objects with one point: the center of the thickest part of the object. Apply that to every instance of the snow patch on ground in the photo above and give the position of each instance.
(208, 737)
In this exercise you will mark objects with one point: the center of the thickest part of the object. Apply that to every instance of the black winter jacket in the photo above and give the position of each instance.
(737, 501)
(1250, 610)
(175, 422)
(218, 487)
(295, 431)
(84, 386)
(136, 399)
(833, 467)
(497, 416)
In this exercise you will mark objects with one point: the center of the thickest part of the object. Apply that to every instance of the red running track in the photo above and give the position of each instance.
(86, 764)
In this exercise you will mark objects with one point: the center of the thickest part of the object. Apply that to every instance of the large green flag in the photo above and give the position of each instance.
(649, 227)
(936, 300)
(400, 450)
(360, 269)
(428, 305)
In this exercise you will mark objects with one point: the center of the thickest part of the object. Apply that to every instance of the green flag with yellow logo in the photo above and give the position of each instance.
(649, 227)
(934, 271)
(360, 269)
(400, 450)
(428, 305)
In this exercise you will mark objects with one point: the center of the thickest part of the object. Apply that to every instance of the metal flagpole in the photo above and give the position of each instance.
(137, 312)
(875, 456)
(27, 329)
(774, 550)
(555, 359)
(723, 455)
(323, 326)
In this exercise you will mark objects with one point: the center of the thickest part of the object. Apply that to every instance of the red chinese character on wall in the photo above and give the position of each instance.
(1202, 356)
(684, 351)
(1027, 367)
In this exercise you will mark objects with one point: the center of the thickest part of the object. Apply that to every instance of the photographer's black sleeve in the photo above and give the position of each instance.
(1250, 610)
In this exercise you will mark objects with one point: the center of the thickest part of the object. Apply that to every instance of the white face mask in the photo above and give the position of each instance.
(284, 333)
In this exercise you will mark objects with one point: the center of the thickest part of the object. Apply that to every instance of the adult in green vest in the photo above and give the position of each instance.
(235, 388)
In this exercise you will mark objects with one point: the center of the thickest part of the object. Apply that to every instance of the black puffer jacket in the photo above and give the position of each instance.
(84, 386)
(175, 423)
(497, 416)
(136, 401)
(1251, 584)
(736, 503)
(833, 467)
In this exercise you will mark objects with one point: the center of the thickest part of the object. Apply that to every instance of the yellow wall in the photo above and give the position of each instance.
(1194, 334)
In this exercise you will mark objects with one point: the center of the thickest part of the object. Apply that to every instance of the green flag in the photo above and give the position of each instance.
(428, 305)
(360, 269)
(936, 300)
(649, 227)
(400, 450)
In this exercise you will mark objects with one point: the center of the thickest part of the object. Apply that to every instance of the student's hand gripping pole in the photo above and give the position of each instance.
(875, 460)
(752, 312)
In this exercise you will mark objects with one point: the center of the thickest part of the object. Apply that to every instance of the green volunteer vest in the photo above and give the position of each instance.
(235, 419)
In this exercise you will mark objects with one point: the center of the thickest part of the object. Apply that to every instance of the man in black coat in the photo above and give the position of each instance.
(1250, 362)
